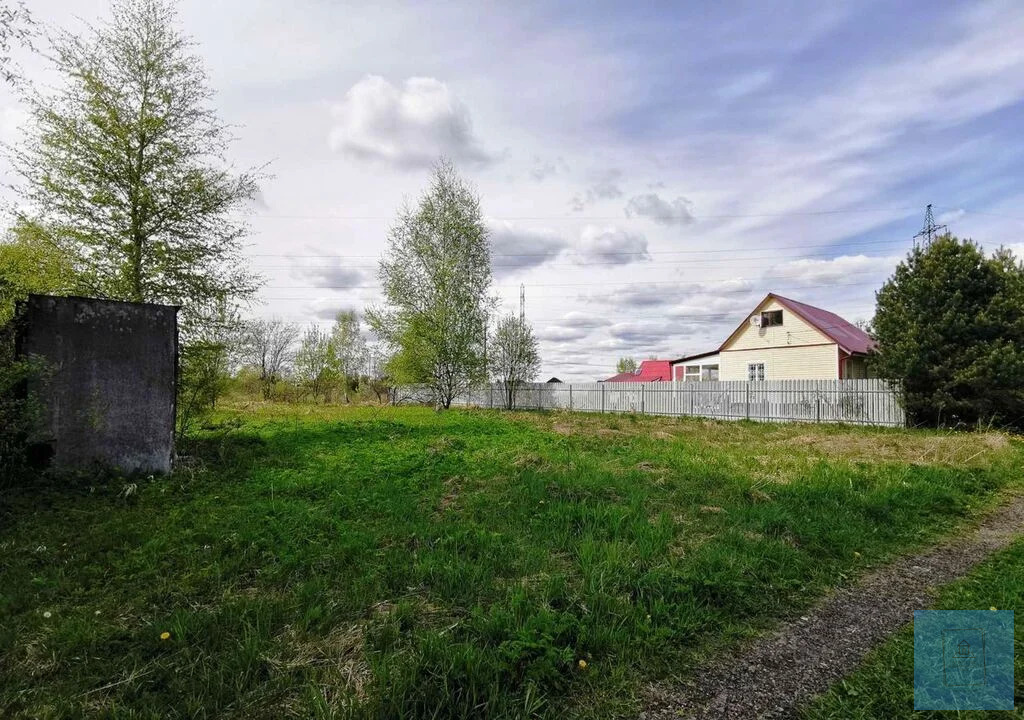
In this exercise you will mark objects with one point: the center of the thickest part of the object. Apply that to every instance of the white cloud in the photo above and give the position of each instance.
(327, 309)
(328, 273)
(950, 216)
(611, 245)
(543, 169)
(808, 271)
(408, 126)
(557, 333)
(604, 185)
(745, 85)
(663, 212)
(516, 248)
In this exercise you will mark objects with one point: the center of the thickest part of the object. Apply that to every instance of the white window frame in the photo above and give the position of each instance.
(755, 372)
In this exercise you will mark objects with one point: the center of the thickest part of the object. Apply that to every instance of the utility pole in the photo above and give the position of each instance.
(522, 304)
(930, 231)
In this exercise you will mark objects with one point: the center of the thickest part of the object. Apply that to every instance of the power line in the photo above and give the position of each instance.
(612, 253)
(719, 292)
(619, 218)
(583, 284)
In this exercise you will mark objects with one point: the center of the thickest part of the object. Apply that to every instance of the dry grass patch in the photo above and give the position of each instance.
(954, 449)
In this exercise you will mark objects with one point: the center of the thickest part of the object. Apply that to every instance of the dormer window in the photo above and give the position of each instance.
(770, 318)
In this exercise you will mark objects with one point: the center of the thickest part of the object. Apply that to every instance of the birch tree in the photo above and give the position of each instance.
(122, 166)
(514, 358)
(316, 365)
(349, 349)
(16, 28)
(436, 278)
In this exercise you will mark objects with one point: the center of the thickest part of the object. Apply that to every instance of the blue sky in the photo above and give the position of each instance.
(647, 172)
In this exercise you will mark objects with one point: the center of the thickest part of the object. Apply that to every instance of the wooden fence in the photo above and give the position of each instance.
(863, 402)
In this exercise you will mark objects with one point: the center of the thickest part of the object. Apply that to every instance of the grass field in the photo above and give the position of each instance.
(397, 562)
(883, 687)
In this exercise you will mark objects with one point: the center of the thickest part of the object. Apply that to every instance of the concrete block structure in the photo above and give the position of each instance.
(109, 389)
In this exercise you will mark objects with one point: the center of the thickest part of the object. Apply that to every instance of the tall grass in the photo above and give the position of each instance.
(356, 562)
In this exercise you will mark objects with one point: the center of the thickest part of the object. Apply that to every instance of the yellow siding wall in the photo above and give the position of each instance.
(813, 362)
(793, 331)
(857, 368)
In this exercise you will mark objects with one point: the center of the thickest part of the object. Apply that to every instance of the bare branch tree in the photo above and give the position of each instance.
(270, 347)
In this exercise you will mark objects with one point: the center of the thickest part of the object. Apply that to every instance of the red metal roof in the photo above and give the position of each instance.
(848, 336)
(649, 371)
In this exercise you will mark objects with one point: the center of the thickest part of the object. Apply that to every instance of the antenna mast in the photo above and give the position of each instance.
(930, 231)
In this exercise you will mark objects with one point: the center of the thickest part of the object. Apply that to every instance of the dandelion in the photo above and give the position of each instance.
(856, 554)
(47, 614)
(165, 635)
(583, 664)
(96, 613)
(993, 608)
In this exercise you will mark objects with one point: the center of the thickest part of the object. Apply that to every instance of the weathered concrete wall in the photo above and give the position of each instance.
(112, 371)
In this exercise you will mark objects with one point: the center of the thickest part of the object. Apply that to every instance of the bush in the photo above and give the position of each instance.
(20, 410)
(202, 378)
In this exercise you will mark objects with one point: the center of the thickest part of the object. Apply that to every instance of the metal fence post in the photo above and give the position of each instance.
(642, 396)
(602, 397)
(817, 415)
(747, 387)
(570, 396)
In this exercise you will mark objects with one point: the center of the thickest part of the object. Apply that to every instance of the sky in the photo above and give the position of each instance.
(648, 172)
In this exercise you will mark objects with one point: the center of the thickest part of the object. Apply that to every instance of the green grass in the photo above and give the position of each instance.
(330, 562)
(883, 687)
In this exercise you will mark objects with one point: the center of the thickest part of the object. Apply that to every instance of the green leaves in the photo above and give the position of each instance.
(123, 166)
(949, 327)
(437, 279)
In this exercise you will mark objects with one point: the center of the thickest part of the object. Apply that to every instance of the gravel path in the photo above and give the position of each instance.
(773, 677)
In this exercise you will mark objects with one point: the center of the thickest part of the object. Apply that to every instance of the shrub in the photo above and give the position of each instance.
(20, 410)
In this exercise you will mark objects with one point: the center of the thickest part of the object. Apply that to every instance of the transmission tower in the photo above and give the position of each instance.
(930, 231)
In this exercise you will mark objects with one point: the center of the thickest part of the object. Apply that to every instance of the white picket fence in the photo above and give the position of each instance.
(862, 402)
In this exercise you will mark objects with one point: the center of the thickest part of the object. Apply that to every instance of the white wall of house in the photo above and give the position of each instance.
(793, 362)
(705, 368)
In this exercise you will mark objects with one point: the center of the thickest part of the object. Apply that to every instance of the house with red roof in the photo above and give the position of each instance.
(783, 339)
(649, 371)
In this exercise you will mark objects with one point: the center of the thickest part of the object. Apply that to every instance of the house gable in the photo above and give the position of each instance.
(794, 330)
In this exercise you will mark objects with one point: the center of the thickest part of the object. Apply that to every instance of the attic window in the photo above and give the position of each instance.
(771, 317)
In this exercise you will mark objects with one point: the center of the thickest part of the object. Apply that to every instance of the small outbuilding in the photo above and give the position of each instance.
(109, 380)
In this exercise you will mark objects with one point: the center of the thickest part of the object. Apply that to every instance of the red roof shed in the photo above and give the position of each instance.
(649, 371)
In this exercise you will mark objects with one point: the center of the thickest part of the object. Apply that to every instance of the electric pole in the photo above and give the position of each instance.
(930, 231)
